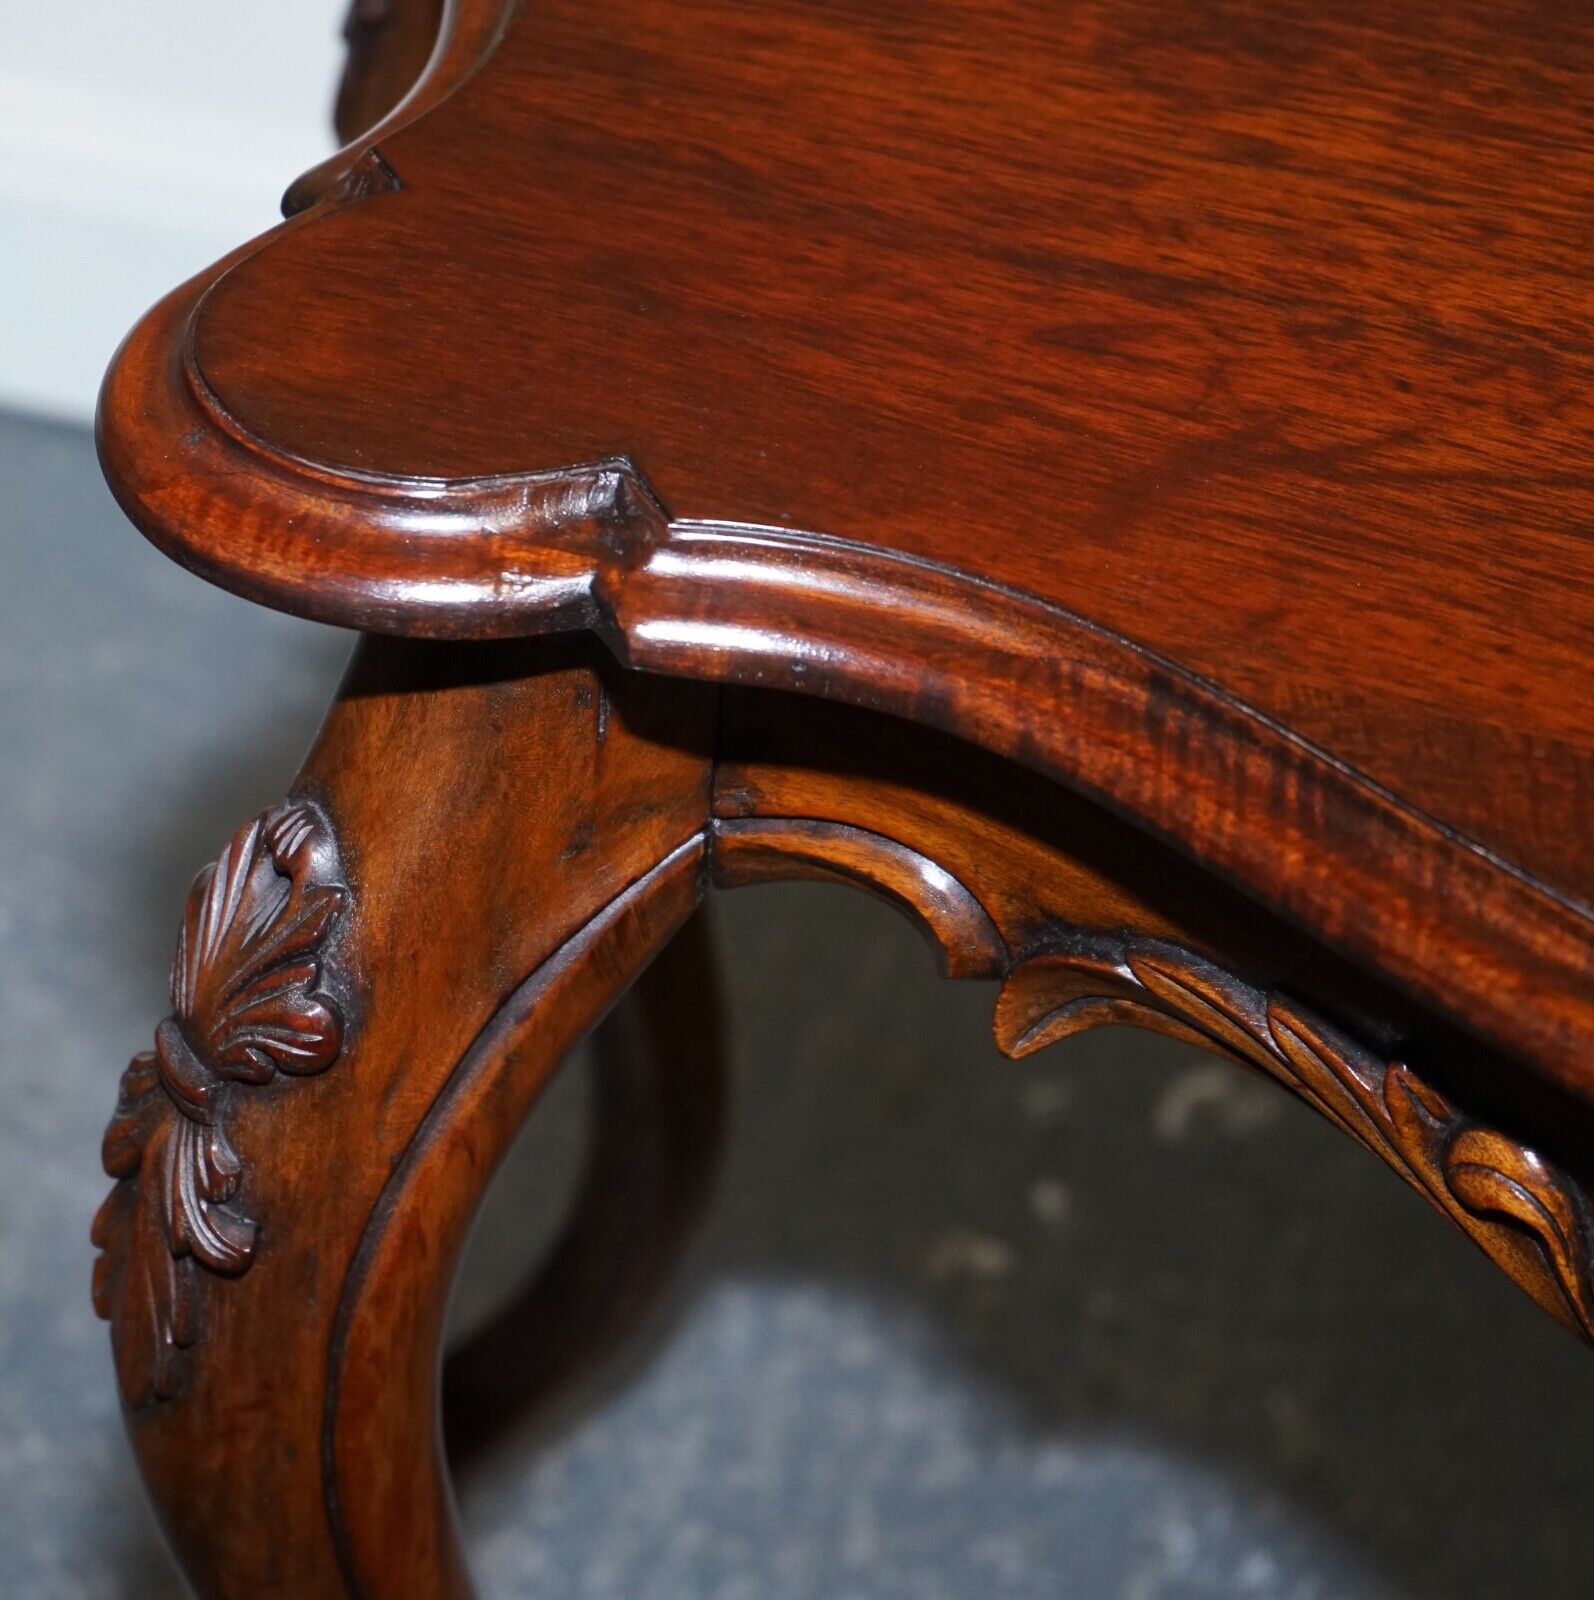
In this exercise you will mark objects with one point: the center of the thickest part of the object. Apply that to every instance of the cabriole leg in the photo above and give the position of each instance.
(656, 1117)
(487, 844)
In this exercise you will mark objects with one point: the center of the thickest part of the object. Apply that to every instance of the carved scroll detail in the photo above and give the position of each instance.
(1531, 1219)
(247, 1004)
(966, 942)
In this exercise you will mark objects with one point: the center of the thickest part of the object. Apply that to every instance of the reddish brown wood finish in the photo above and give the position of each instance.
(518, 828)
(1165, 426)
(1243, 348)
(657, 1112)
(390, 42)
(1088, 923)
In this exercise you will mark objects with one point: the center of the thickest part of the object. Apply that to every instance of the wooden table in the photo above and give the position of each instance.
(1115, 479)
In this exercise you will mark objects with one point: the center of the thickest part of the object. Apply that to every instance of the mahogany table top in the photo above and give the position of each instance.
(1193, 399)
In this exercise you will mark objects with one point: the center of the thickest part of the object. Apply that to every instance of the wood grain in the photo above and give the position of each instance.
(1151, 442)
(519, 828)
(1258, 332)
(657, 1112)
(1088, 925)
(491, 804)
(756, 850)
(1242, 349)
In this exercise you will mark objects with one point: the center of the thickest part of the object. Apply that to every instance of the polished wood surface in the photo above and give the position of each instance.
(1243, 349)
(1261, 333)
(1163, 428)
(518, 830)
(389, 43)
(1087, 923)
(515, 831)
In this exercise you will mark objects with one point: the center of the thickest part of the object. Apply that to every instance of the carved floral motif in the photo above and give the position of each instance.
(1531, 1219)
(247, 1004)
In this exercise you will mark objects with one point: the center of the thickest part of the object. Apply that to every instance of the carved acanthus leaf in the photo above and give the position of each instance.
(1529, 1217)
(247, 1004)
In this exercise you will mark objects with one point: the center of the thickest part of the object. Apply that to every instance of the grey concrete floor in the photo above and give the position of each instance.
(1121, 1324)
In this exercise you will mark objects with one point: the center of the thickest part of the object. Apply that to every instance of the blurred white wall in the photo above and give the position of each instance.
(139, 140)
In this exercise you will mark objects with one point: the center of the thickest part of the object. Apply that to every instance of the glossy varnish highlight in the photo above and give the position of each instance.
(1241, 349)
(1258, 332)
(1166, 425)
